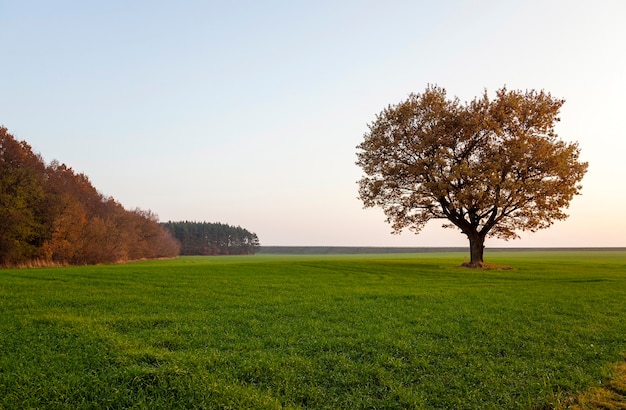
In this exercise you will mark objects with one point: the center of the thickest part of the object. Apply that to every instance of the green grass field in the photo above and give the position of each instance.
(334, 331)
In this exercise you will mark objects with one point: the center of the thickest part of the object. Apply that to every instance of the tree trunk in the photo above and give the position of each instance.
(477, 247)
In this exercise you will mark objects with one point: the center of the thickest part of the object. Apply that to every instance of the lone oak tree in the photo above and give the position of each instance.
(490, 167)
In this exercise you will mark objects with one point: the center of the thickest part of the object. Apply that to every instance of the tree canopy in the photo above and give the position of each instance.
(491, 167)
(50, 214)
(205, 238)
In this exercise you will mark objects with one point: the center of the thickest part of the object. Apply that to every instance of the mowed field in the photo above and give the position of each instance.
(327, 331)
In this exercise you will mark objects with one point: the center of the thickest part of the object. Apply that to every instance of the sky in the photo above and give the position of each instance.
(249, 112)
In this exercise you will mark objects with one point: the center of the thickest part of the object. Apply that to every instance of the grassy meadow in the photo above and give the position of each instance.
(325, 331)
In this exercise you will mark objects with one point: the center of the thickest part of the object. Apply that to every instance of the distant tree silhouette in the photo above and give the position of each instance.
(204, 238)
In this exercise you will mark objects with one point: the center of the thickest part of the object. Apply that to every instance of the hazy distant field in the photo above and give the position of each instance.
(326, 331)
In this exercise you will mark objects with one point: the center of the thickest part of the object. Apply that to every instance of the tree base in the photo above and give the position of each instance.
(485, 266)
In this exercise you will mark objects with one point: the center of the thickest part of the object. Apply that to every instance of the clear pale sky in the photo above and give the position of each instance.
(249, 112)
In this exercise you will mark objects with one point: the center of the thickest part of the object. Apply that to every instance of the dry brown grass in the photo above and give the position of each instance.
(486, 266)
(611, 396)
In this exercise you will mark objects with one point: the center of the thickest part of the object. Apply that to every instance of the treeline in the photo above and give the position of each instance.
(50, 214)
(203, 238)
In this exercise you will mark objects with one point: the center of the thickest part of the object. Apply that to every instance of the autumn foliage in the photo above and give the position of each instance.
(491, 167)
(50, 214)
